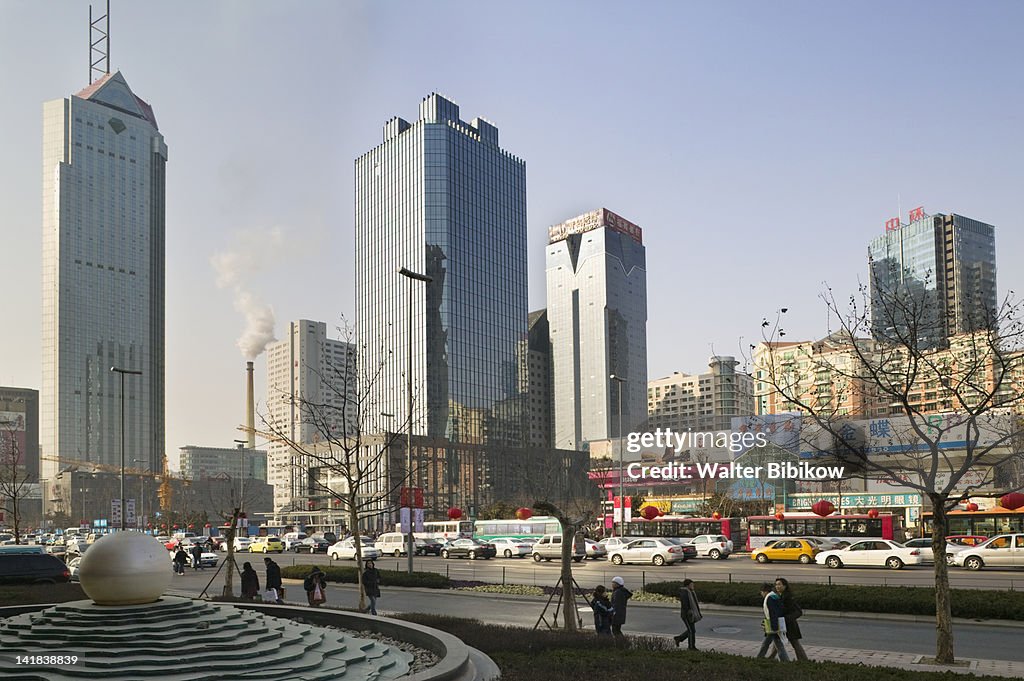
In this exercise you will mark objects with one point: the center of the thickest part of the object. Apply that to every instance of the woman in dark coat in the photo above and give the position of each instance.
(791, 612)
(250, 582)
(371, 585)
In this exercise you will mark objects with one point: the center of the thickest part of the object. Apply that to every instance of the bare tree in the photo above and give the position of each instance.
(891, 354)
(347, 467)
(14, 477)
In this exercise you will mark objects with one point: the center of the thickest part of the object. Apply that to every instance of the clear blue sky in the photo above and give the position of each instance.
(759, 145)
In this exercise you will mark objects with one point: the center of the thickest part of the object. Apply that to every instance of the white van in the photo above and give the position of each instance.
(396, 544)
(291, 539)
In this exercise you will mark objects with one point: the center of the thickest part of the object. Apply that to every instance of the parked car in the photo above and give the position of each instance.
(611, 543)
(397, 544)
(871, 553)
(1005, 550)
(241, 543)
(346, 549)
(511, 547)
(206, 558)
(655, 550)
(314, 544)
(716, 546)
(689, 550)
(787, 549)
(266, 545)
(927, 555)
(73, 566)
(966, 539)
(291, 539)
(595, 550)
(32, 568)
(432, 547)
(549, 547)
(469, 548)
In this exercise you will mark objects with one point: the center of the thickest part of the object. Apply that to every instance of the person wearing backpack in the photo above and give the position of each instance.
(791, 612)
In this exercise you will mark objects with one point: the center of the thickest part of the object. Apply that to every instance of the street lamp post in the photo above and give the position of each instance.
(141, 515)
(124, 506)
(241, 477)
(412, 276)
(622, 498)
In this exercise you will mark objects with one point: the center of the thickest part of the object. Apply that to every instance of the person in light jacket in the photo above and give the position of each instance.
(774, 622)
(689, 612)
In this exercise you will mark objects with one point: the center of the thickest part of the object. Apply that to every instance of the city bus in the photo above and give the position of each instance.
(532, 528)
(979, 523)
(443, 529)
(679, 526)
(849, 528)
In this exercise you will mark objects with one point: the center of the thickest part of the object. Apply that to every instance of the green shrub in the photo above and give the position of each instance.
(514, 589)
(347, 575)
(906, 600)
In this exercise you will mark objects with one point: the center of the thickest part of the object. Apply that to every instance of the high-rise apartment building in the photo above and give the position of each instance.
(701, 403)
(932, 279)
(307, 370)
(103, 277)
(441, 198)
(597, 313)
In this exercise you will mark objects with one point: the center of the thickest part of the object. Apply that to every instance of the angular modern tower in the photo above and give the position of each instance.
(932, 278)
(441, 198)
(103, 277)
(597, 315)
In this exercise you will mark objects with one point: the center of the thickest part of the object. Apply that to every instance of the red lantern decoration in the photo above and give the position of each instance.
(454, 513)
(149, 526)
(716, 515)
(524, 513)
(191, 526)
(175, 526)
(207, 526)
(972, 507)
(823, 508)
(649, 512)
(873, 513)
(780, 516)
(1012, 501)
(661, 513)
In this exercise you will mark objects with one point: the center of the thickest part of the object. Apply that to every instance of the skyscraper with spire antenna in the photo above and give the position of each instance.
(103, 277)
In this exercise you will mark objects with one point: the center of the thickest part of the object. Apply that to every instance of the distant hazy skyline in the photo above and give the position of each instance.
(759, 146)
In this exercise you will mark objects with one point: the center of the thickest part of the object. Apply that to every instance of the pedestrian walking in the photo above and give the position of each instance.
(250, 582)
(315, 585)
(689, 612)
(620, 595)
(791, 612)
(774, 622)
(197, 556)
(180, 558)
(371, 585)
(274, 579)
(603, 611)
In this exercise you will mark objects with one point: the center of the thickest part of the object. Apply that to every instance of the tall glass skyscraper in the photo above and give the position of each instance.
(441, 198)
(933, 278)
(597, 316)
(103, 277)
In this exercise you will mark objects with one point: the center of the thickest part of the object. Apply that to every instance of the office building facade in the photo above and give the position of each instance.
(196, 463)
(306, 370)
(19, 431)
(535, 381)
(441, 198)
(932, 279)
(597, 315)
(103, 277)
(704, 402)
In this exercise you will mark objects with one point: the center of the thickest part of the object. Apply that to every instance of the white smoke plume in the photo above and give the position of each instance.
(256, 251)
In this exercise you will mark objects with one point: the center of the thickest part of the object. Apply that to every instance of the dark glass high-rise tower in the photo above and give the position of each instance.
(441, 198)
(932, 279)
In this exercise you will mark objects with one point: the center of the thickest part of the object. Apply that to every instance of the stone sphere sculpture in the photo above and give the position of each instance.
(125, 568)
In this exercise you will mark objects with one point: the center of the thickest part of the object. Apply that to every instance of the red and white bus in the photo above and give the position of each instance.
(679, 526)
(762, 529)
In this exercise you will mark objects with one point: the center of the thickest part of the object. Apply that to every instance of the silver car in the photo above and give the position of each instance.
(928, 556)
(1005, 550)
(654, 550)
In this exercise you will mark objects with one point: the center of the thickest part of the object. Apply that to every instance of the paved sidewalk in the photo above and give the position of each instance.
(872, 658)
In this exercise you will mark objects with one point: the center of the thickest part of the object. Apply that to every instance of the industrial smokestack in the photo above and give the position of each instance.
(250, 407)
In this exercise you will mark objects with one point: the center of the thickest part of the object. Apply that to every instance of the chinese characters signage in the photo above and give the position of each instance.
(592, 220)
(893, 224)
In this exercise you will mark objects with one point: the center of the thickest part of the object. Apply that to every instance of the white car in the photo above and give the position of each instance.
(654, 550)
(715, 546)
(928, 556)
(206, 558)
(871, 553)
(241, 543)
(612, 543)
(510, 547)
(595, 550)
(346, 549)
(1005, 550)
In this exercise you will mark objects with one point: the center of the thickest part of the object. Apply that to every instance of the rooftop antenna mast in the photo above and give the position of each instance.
(99, 45)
